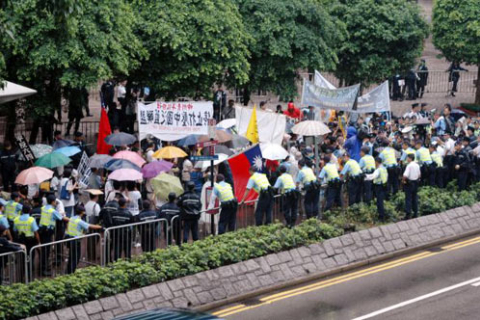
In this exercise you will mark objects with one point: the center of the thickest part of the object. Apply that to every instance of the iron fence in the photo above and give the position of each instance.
(13, 267)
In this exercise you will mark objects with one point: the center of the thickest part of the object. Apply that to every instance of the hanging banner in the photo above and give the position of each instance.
(321, 82)
(24, 147)
(375, 101)
(171, 121)
(342, 99)
(271, 126)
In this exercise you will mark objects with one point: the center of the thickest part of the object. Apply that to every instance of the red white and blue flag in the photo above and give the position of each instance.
(240, 165)
(104, 130)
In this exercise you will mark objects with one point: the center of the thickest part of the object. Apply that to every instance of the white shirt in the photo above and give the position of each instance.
(373, 176)
(92, 209)
(412, 171)
(133, 207)
(149, 155)
(60, 207)
(121, 92)
(449, 147)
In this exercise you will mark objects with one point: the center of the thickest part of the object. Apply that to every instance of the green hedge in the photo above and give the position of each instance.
(20, 300)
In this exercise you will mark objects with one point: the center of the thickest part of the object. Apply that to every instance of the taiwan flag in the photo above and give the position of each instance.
(240, 164)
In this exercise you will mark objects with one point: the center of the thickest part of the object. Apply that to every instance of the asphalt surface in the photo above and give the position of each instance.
(439, 283)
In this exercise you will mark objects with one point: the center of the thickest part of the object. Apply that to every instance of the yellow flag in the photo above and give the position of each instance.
(252, 130)
(342, 126)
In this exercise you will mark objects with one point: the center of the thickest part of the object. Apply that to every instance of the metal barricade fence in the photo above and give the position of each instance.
(135, 238)
(13, 267)
(175, 229)
(65, 256)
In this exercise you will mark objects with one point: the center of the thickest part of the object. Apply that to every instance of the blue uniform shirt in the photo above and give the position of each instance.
(4, 222)
(346, 169)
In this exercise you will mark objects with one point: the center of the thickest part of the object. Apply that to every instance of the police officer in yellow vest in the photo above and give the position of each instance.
(288, 189)
(439, 168)
(13, 208)
(330, 175)
(427, 166)
(406, 150)
(380, 180)
(307, 178)
(76, 228)
(259, 182)
(367, 164)
(389, 162)
(228, 203)
(354, 175)
(26, 228)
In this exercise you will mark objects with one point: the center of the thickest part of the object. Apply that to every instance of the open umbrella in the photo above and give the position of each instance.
(53, 160)
(227, 123)
(131, 156)
(310, 128)
(189, 140)
(116, 164)
(62, 143)
(33, 175)
(221, 136)
(11, 91)
(218, 149)
(154, 168)
(120, 139)
(125, 175)
(272, 151)
(206, 164)
(68, 151)
(238, 141)
(39, 150)
(169, 153)
(99, 160)
(165, 183)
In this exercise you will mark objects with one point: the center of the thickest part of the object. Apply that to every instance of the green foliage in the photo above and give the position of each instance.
(384, 37)
(192, 45)
(20, 300)
(289, 35)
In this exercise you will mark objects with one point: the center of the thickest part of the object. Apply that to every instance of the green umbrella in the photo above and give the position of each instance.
(53, 160)
(165, 183)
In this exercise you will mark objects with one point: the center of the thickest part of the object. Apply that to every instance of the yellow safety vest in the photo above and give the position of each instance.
(225, 192)
(72, 228)
(354, 168)
(287, 181)
(369, 163)
(308, 175)
(261, 181)
(424, 155)
(331, 171)
(382, 177)
(389, 157)
(438, 159)
(24, 226)
(11, 210)
(409, 151)
(46, 218)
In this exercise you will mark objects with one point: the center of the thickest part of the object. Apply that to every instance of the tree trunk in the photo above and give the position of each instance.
(11, 122)
(246, 96)
(477, 94)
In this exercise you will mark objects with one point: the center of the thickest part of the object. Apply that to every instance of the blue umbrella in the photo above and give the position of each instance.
(62, 144)
(120, 139)
(116, 164)
(68, 151)
(189, 140)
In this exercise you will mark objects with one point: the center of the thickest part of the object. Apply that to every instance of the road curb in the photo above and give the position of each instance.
(325, 274)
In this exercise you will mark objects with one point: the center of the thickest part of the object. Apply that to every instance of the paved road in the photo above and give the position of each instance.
(439, 283)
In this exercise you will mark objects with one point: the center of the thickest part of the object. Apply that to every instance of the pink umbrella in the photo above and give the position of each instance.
(133, 157)
(33, 175)
(125, 175)
(154, 168)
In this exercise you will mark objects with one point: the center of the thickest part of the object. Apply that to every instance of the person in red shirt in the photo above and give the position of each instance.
(293, 112)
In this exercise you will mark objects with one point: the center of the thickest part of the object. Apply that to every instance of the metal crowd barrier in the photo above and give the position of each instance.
(133, 239)
(13, 267)
(65, 256)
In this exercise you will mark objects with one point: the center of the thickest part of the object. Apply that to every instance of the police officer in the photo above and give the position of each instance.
(148, 231)
(406, 150)
(307, 178)
(26, 228)
(424, 159)
(411, 179)
(228, 215)
(4, 223)
(330, 174)
(367, 164)
(354, 175)
(380, 180)
(259, 182)
(389, 162)
(190, 205)
(76, 228)
(462, 165)
(287, 187)
(439, 168)
(13, 208)
(48, 219)
(116, 214)
(171, 211)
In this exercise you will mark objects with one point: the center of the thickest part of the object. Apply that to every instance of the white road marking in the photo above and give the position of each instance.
(476, 284)
(426, 296)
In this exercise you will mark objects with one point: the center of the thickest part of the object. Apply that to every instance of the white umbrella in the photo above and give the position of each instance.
(227, 123)
(204, 165)
(99, 160)
(310, 128)
(12, 91)
(272, 151)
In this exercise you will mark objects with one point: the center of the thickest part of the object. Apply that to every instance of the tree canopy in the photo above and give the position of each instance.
(384, 37)
(288, 36)
(456, 32)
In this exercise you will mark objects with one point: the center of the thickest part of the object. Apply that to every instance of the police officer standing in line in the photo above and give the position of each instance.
(367, 164)
(406, 150)
(13, 208)
(228, 204)
(147, 231)
(190, 205)
(411, 179)
(287, 187)
(259, 182)
(380, 180)
(26, 228)
(307, 178)
(462, 166)
(48, 219)
(425, 161)
(439, 169)
(354, 177)
(389, 162)
(330, 174)
(169, 211)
